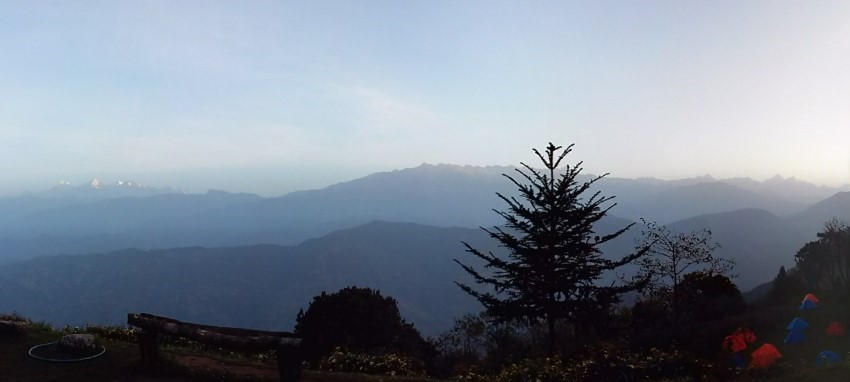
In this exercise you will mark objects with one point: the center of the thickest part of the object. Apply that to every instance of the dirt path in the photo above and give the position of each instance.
(196, 362)
(201, 365)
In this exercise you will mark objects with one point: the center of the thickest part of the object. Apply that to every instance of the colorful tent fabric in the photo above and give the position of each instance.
(795, 337)
(808, 305)
(764, 356)
(828, 357)
(734, 343)
(738, 340)
(797, 324)
(812, 298)
(836, 329)
(738, 361)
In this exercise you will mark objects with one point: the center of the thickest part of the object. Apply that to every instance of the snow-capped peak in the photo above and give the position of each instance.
(127, 183)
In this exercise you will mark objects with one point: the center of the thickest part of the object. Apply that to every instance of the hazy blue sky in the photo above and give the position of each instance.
(274, 96)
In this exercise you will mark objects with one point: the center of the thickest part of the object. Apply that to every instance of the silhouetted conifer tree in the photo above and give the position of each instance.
(554, 263)
(780, 288)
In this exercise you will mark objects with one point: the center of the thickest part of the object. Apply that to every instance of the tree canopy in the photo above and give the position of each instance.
(358, 319)
(825, 263)
(554, 264)
(705, 296)
(674, 255)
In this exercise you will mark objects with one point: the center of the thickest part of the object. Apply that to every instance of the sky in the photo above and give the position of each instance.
(274, 96)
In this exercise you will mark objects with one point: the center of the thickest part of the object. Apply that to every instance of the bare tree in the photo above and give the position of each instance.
(673, 255)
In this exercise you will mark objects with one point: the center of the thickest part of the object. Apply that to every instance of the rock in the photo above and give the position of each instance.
(13, 330)
(78, 344)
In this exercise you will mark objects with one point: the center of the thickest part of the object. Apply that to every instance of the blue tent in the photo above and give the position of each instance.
(808, 305)
(828, 357)
(795, 337)
(797, 324)
(739, 361)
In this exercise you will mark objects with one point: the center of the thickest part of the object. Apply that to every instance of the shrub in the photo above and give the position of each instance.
(471, 377)
(549, 369)
(117, 333)
(359, 319)
(12, 317)
(385, 364)
(604, 363)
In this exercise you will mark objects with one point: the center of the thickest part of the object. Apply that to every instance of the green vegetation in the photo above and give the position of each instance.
(675, 259)
(825, 263)
(360, 320)
(382, 364)
(689, 302)
(185, 361)
(554, 258)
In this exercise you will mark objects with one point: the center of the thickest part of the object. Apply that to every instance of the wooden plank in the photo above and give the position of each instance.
(230, 338)
(222, 329)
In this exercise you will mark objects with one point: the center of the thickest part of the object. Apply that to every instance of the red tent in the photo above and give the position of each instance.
(812, 298)
(764, 356)
(734, 343)
(738, 340)
(836, 329)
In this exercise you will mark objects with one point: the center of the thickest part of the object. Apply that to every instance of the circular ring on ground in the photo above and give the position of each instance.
(33, 352)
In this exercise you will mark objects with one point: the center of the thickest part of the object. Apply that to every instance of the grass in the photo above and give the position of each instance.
(121, 362)
(799, 360)
(121, 359)
(324, 376)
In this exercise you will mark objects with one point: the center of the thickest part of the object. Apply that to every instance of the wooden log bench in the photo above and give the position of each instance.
(237, 339)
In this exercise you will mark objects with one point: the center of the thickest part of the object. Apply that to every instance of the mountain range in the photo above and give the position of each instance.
(439, 195)
(240, 259)
(260, 286)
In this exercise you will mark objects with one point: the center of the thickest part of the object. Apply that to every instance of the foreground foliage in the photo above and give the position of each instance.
(825, 263)
(599, 364)
(358, 319)
(384, 364)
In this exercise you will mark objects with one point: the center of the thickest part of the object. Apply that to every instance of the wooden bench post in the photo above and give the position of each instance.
(149, 347)
(289, 363)
(245, 340)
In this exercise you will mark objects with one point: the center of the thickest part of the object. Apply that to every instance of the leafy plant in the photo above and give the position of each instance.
(386, 364)
(360, 319)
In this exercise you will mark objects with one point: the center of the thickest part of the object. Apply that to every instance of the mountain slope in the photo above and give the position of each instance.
(258, 286)
(811, 220)
(757, 240)
(255, 286)
(264, 286)
(122, 214)
(704, 198)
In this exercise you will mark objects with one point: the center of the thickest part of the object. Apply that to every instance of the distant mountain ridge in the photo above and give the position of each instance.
(788, 188)
(675, 203)
(98, 190)
(439, 195)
